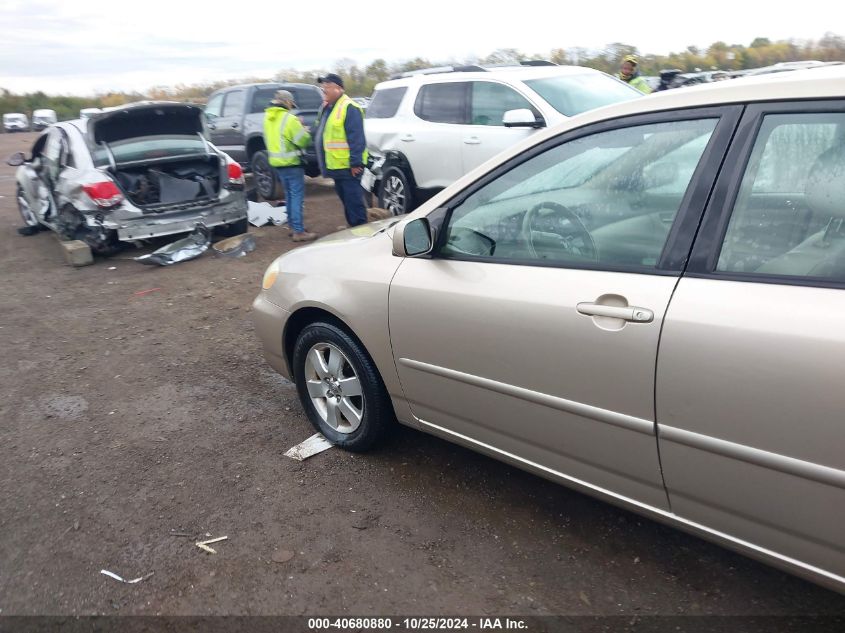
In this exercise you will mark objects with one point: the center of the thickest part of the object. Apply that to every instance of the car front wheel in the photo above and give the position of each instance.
(395, 194)
(340, 387)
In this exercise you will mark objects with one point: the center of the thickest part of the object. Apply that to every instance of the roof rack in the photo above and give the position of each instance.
(439, 69)
(470, 68)
(536, 62)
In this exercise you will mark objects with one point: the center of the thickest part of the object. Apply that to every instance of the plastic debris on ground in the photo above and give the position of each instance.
(237, 246)
(204, 545)
(181, 250)
(128, 582)
(313, 445)
(260, 213)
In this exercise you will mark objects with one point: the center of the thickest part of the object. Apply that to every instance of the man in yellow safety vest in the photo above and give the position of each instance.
(285, 138)
(341, 146)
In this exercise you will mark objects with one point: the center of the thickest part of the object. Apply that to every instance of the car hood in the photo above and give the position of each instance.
(148, 119)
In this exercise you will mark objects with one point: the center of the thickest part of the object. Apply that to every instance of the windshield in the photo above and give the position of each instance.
(14, 117)
(574, 94)
(150, 148)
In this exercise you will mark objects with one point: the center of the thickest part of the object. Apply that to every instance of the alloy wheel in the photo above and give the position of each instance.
(334, 387)
(394, 195)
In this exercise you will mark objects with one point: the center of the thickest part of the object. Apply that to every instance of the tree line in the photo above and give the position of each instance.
(361, 81)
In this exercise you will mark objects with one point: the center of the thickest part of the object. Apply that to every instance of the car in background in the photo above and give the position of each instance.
(364, 102)
(15, 122)
(136, 172)
(236, 125)
(643, 303)
(427, 128)
(43, 118)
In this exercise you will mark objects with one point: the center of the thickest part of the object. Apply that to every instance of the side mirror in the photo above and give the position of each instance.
(523, 117)
(413, 239)
(16, 159)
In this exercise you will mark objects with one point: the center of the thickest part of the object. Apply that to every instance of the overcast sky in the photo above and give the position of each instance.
(89, 46)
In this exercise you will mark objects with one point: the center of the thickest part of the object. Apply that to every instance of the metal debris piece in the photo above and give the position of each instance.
(204, 545)
(128, 582)
(181, 250)
(313, 445)
(237, 246)
(260, 213)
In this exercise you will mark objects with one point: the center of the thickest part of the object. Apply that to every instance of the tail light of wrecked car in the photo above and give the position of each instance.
(236, 176)
(104, 194)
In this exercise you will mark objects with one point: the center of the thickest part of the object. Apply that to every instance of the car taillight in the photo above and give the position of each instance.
(104, 194)
(236, 174)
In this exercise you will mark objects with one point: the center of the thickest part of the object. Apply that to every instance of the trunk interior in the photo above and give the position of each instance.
(183, 183)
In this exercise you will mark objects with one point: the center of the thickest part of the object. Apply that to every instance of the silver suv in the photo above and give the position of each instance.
(432, 126)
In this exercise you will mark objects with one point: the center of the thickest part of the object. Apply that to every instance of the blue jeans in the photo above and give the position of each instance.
(351, 194)
(293, 180)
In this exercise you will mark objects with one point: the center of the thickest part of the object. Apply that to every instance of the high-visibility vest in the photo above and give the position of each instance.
(335, 145)
(636, 82)
(284, 136)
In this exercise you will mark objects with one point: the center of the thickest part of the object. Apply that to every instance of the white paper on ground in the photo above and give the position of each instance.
(128, 582)
(260, 213)
(313, 445)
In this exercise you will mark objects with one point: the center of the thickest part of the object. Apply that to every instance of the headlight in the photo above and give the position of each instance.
(270, 275)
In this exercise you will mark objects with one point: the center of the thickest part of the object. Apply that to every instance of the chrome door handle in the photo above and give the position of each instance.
(631, 313)
(212, 127)
(235, 124)
(472, 140)
(406, 137)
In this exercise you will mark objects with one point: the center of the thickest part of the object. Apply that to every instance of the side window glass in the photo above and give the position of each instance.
(442, 103)
(594, 200)
(789, 213)
(385, 103)
(234, 104)
(214, 106)
(490, 101)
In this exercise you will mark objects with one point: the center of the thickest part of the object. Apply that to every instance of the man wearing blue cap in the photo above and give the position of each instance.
(341, 146)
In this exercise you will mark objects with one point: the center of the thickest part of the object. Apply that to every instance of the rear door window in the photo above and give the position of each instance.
(443, 102)
(789, 214)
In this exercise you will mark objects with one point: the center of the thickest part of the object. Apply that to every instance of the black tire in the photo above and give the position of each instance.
(267, 184)
(396, 193)
(344, 360)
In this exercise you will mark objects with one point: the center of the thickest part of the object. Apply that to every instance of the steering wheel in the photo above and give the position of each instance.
(574, 238)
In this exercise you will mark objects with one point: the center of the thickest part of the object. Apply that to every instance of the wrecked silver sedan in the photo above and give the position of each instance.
(132, 173)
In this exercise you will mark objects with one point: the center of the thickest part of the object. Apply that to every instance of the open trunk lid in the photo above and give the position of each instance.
(145, 119)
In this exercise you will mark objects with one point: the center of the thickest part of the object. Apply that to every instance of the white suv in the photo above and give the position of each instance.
(430, 127)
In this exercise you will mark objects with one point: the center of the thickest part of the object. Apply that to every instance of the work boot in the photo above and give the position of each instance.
(304, 236)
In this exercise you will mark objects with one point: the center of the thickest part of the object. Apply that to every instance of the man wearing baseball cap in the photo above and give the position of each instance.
(630, 74)
(285, 138)
(341, 146)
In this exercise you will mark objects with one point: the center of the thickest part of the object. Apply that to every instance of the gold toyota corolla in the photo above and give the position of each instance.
(644, 303)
